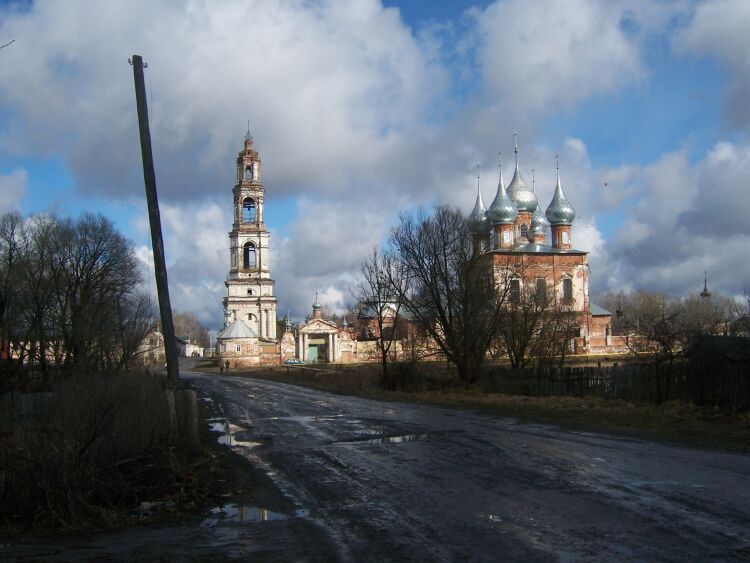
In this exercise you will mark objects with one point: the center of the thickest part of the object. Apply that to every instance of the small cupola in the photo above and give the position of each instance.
(560, 211)
(519, 192)
(478, 222)
(317, 309)
(502, 214)
(539, 227)
(561, 215)
(502, 210)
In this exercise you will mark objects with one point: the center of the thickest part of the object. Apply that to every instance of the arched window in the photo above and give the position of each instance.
(248, 255)
(524, 231)
(567, 286)
(565, 237)
(515, 291)
(249, 172)
(541, 291)
(248, 210)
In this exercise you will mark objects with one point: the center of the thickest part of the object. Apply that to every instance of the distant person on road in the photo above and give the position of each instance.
(226, 365)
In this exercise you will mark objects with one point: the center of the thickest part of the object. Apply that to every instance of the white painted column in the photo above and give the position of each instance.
(299, 347)
(330, 348)
(304, 347)
(336, 356)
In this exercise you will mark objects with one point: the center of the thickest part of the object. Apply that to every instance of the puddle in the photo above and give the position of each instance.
(306, 419)
(233, 513)
(233, 435)
(396, 439)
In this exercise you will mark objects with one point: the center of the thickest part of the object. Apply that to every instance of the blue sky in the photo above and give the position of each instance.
(364, 109)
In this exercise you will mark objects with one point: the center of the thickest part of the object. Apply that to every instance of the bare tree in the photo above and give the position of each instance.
(69, 296)
(740, 315)
(187, 325)
(535, 326)
(12, 290)
(448, 290)
(378, 291)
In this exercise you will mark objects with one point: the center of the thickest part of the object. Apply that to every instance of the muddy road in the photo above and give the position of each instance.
(371, 481)
(392, 481)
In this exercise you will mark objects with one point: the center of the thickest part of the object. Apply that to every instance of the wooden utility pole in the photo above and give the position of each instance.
(160, 266)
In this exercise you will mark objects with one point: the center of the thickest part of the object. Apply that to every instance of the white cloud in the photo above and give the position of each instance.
(13, 187)
(719, 29)
(347, 107)
(332, 89)
(690, 217)
(548, 55)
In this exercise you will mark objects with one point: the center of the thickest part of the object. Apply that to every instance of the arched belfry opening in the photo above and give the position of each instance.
(248, 256)
(249, 172)
(248, 210)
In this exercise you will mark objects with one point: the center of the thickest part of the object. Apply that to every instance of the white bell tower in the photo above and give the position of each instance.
(249, 284)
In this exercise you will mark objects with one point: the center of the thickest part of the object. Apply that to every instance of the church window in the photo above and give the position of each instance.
(565, 237)
(249, 255)
(238, 348)
(506, 237)
(515, 291)
(249, 291)
(249, 172)
(541, 291)
(524, 231)
(567, 290)
(248, 210)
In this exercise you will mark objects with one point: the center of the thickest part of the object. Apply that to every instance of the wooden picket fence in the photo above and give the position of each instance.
(727, 386)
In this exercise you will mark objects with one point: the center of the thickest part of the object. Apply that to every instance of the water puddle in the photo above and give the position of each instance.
(396, 439)
(306, 419)
(233, 513)
(233, 435)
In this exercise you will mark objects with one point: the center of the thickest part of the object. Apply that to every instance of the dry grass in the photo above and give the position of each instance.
(85, 454)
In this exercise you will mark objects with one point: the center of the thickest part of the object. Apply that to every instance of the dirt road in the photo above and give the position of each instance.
(372, 481)
(391, 481)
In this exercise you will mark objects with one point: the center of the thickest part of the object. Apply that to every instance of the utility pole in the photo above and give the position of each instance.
(160, 266)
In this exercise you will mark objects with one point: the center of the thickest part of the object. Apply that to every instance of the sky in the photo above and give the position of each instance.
(363, 109)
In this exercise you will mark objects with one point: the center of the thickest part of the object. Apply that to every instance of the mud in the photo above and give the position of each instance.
(364, 480)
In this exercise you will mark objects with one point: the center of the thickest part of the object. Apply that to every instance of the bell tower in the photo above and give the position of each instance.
(249, 284)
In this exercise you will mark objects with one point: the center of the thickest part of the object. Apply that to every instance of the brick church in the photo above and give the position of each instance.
(513, 234)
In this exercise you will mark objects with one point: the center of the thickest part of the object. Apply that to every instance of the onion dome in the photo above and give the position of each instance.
(520, 193)
(539, 223)
(478, 222)
(502, 210)
(316, 306)
(560, 212)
